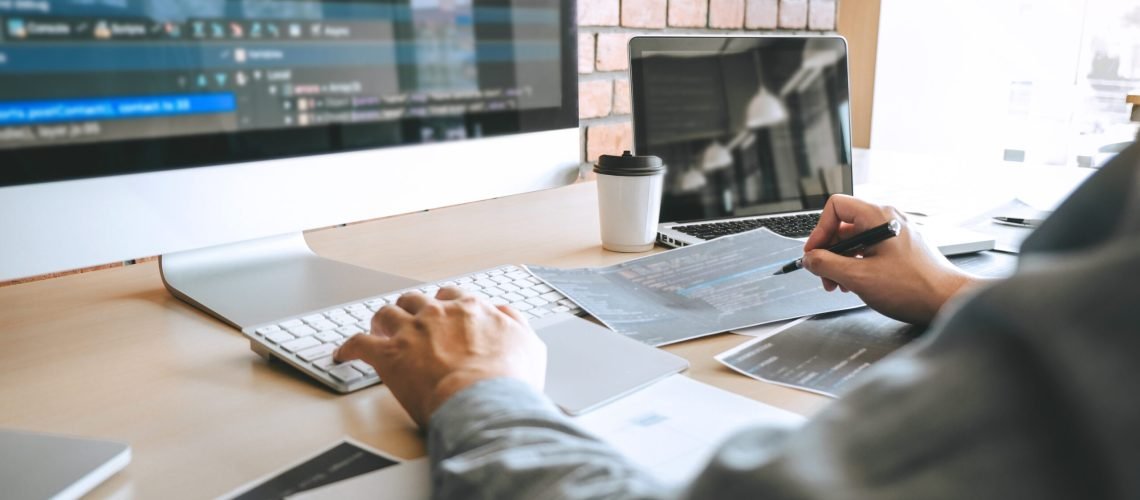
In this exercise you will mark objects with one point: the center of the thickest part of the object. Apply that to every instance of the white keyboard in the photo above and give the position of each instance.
(307, 342)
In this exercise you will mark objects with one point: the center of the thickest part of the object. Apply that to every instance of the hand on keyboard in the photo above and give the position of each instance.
(428, 349)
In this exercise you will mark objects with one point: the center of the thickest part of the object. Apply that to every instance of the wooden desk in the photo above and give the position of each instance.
(111, 354)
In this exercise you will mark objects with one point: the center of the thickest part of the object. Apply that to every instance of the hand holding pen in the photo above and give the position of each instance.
(852, 245)
(900, 276)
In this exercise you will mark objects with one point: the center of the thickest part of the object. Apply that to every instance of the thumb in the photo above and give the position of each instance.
(360, 346)
(835, 269)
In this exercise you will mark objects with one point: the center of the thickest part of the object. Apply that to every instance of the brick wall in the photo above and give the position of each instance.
(605, 27)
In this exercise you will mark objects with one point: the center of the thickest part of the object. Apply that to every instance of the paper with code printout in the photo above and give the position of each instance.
(827, 352)
(341, 461)
(699, 290)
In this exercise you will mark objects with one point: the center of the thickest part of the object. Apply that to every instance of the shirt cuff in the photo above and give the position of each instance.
(483, 405)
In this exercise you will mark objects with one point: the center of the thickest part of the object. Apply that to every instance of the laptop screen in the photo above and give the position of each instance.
(745, 125)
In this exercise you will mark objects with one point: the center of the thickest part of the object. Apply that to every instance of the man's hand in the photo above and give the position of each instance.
(427, 350)
(901, 277)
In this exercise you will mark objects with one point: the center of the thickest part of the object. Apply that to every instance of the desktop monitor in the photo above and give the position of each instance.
(212, 132)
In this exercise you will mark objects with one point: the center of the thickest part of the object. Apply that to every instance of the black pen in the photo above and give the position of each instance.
(890, 229)
(1018, 222)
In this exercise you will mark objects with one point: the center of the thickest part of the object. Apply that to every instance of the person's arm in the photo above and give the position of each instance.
(471, 374)
(901, 277)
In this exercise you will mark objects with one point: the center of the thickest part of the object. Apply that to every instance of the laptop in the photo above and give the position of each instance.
(755, 131)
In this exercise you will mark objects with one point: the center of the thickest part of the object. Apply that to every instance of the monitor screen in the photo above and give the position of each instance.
(745, 125)
(102, 87)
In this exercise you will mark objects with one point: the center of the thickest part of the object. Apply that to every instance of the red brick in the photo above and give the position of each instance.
(761, 14)
(821, 15)
(598, 12)
(688, 13)
(612, 52)
(793, 14)
(622, 104)
(609, 139)
(595, 98)
(726, 14)
(643, 13)
(585, 53)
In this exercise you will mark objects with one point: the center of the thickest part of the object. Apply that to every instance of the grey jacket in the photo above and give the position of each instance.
(1028, 388)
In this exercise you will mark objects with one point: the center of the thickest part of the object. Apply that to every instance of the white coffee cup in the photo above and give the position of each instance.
(629, 200)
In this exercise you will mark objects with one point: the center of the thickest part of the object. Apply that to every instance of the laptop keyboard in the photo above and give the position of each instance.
(792, 226)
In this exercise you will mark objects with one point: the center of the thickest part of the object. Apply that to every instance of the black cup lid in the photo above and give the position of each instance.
(629, 165)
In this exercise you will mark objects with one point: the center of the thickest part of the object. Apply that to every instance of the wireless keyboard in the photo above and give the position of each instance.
(307, 341)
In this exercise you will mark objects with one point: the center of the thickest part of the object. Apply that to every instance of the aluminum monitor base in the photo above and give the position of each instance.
(260, 281)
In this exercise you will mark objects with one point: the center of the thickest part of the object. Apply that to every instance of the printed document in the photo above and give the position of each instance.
(699, 290)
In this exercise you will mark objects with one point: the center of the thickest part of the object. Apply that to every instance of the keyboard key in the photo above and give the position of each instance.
(266, 330)
(323, 325)
(513, 297)
(528, 293)
(349, 330)
(328, 336)
(539, 311)
(543, 288)
(355, 307)
(364, 315)
(301, 331)
(518, 274)
(502, 279)
(521, 283)
(499, 301)
(551, 296)
(363, 367)
(291, 323)
(344, 320)
(567, 303)
(279, 337)
(485, 283)
(493, 291)
(496, 272)
(317, 352)
(561, 309)
(335, 312)
(344, 372)
(537, 301)
(312, 318)
(323, 364)
(522, 306)
(300, 344)
(365, 326)
(509, 287)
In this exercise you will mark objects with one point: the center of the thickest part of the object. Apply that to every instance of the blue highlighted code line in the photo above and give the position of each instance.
(114, 108)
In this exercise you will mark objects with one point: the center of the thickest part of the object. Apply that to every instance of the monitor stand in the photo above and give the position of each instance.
(256, 282)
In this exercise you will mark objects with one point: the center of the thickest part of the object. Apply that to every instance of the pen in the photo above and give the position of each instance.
(1017, 221)
(890, 229)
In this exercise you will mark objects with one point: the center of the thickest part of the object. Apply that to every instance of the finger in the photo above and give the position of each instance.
(837, 268)
(450, 293)
(412, 302)
(361, 346)
(829, 285)
(839, 209)
(388, 320)
(510, 311)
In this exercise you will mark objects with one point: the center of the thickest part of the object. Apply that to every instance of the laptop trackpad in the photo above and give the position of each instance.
(588, 365)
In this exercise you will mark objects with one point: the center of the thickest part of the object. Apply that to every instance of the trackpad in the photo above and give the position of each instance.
(588, 365)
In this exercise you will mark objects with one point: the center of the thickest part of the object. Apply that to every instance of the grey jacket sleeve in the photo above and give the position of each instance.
(501, 439)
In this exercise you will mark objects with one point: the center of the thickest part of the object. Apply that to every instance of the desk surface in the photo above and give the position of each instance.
(111, 354)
